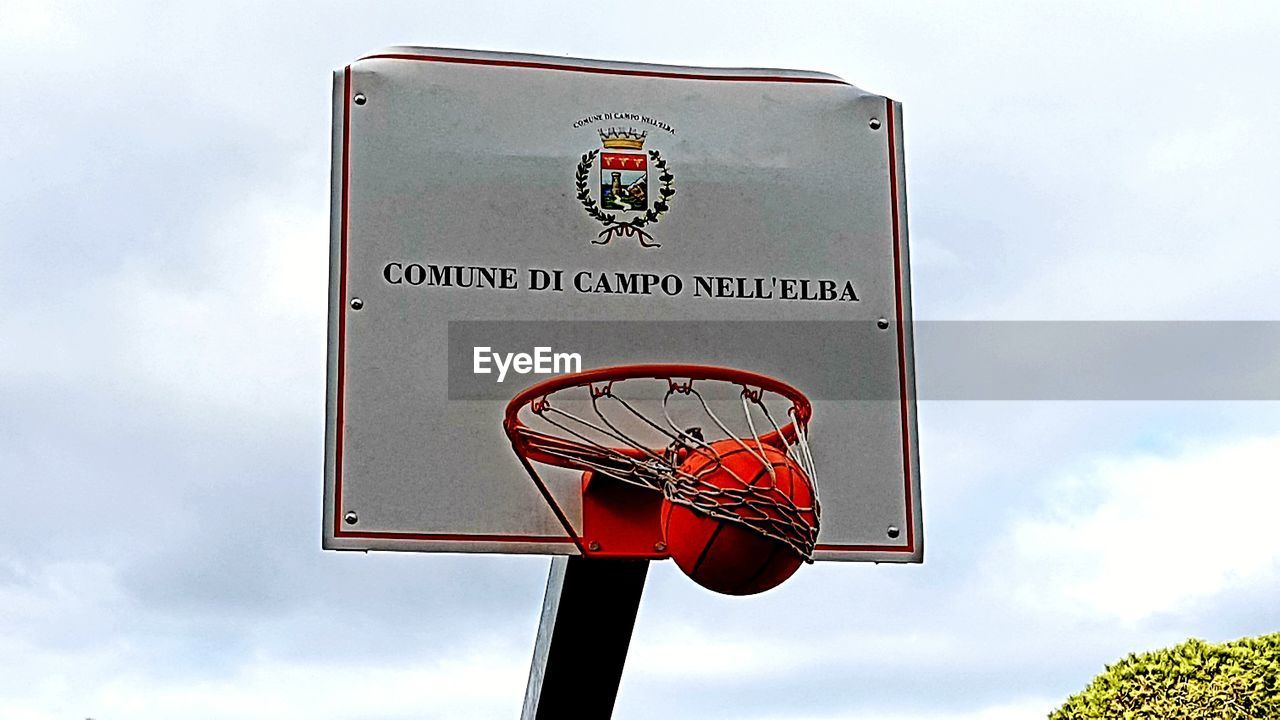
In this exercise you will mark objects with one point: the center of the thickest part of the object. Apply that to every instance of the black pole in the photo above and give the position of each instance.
(587, 617)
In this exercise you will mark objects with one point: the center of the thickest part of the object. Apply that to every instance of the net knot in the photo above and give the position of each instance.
(684, 388)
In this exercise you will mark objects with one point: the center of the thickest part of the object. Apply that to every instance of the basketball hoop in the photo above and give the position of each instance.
(670, 429)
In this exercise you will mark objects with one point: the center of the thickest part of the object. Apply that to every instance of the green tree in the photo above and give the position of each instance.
(1192, 681)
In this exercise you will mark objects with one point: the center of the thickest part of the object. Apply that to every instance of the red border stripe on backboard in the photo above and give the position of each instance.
(902, 338)
(342, 308)
(535, 65)
(455, 537)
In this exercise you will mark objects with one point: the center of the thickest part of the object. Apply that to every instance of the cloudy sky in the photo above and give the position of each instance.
(163, 235)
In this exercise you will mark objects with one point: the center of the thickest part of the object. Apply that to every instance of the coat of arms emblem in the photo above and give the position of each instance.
(619, 195)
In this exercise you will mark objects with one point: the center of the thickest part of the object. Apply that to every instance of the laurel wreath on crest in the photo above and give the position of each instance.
(629, 228)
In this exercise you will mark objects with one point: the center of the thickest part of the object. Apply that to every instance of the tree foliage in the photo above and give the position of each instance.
(1192, 681)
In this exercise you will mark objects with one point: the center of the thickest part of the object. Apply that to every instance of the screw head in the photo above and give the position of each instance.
(893, 531)
(360, 99)
(874, 123)
(356, 303)
(882, 323)
(659, 546)
(593, 545)
(351, 518)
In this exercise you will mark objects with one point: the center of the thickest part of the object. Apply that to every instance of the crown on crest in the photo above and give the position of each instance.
(629, 139)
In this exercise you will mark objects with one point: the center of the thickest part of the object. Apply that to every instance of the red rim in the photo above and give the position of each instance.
(801, 411)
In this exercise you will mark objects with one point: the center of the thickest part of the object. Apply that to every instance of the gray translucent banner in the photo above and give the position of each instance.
(1119, 360)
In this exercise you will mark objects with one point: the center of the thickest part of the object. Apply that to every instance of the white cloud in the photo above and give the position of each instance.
(687, 651)
(30, 21)
(62, 602)
(486, 683)
(1018, 710)
(243, 334)
(1137, 536)
(250, 340)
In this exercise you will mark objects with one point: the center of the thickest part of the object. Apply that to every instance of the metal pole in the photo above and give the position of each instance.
(587, 617)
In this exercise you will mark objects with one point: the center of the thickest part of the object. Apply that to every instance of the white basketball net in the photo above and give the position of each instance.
(615, 437)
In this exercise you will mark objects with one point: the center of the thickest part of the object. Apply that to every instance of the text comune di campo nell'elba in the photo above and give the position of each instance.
(618, 283)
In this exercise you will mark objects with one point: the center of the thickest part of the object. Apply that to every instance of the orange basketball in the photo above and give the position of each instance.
(724, 555)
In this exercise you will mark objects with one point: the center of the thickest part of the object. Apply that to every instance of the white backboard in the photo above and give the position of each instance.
(773, 199)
